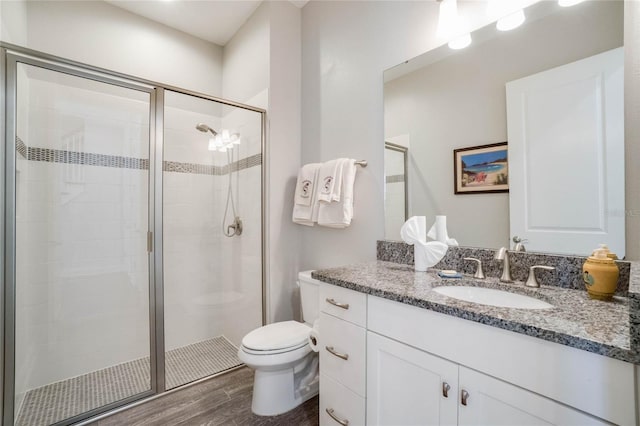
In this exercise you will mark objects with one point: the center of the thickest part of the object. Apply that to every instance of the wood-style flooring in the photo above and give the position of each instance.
(222, 400)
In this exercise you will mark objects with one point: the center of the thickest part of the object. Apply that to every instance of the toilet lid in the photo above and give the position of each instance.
(278, 335)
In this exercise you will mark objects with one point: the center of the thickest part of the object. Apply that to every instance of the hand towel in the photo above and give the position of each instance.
(338, 214)
(328, 190)
(308, 214)
(307, 177)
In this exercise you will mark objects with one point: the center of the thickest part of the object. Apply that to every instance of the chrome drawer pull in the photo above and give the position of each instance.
(339, 305)
(336, 418)
(445, 389)
(338, 354)
(464, 396)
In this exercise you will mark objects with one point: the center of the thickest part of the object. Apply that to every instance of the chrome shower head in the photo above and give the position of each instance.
(204, 129)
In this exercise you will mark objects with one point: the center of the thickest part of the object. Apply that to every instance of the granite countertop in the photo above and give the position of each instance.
(605, 328)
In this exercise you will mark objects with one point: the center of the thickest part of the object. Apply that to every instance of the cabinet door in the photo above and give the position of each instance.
(493, 402)
(406, 386)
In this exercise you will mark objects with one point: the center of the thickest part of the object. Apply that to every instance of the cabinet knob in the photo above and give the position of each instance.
(339, 305)
(464, 396)
(336, 418)
(445, 389)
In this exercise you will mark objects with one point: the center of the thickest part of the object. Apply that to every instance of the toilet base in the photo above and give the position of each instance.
(276, 392)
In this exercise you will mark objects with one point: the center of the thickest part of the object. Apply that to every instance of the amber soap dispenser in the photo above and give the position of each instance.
(600, 273)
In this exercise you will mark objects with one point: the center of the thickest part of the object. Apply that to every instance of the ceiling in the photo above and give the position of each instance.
(212, 20)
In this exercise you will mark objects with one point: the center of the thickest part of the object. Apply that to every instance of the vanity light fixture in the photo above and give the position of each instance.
(568, 3)
(508, 13)
(451, 26)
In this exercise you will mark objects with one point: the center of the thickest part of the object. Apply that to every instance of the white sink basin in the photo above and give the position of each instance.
(492, 297)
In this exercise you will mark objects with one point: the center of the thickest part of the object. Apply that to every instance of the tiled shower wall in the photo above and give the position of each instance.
(82, 193)
(82, 276)
(212, 283)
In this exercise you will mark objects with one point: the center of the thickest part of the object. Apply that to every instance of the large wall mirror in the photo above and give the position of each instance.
(445, 100)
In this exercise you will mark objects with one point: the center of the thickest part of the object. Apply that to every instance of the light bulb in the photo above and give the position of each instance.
(225, 135)
(218, 140)
(460, 42)
(511, 21)
(212, 144)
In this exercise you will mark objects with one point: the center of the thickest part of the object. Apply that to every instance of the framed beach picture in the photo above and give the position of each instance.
(483, 168)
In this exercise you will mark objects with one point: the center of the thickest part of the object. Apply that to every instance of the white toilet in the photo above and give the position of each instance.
(286, 369)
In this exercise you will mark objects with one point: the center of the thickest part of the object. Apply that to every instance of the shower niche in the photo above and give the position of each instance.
(126, 272)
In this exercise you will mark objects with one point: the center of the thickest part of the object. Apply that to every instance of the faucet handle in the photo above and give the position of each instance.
(531, 280)
(479, 272)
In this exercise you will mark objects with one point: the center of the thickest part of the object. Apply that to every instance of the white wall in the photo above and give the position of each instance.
(460, 101)
(632, 127)
(99, 34)
(265, 55)
(346, 47)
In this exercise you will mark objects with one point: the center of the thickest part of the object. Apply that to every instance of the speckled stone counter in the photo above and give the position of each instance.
(605, 328)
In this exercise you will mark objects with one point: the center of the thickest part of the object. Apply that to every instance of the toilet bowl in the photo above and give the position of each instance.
(286, 368)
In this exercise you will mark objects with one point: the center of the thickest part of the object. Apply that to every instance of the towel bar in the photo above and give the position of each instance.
(362, 163)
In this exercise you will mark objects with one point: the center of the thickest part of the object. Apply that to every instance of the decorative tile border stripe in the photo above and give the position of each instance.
(204, 169)
(395, 178)
(86, 158)
(200, 169)
(102, 160)
(21, 147)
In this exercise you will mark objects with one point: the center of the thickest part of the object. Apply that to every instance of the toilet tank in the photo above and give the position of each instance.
(309, 297)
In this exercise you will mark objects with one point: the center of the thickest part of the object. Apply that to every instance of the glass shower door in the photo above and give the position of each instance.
(212, 234)
(82, 287)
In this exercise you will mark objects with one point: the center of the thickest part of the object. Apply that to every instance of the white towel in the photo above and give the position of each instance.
(308, 214)
(338, 214)
(330, 172)
(307, 179)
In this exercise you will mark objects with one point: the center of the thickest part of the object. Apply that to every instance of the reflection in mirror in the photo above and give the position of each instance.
(395, 188)
(445, 100)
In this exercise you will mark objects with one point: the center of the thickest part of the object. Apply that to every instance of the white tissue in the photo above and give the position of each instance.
(438, 232)
(428, 254)
(414, 230)
(314, 337)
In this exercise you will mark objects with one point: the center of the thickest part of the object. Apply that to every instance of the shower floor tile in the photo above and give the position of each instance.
(61, 400)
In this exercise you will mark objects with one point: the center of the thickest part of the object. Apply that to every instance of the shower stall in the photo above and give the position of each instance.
(133, 241)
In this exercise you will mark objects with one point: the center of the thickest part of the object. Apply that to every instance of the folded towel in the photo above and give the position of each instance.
(307, 177)
(308, 214)
(338, 214)
(329, 173)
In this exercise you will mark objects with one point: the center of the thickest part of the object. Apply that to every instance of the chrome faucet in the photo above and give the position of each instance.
(519, 244)
(503, 255)
(479, 272)
(531, 280)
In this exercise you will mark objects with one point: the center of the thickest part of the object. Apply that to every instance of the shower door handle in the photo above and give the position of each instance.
(149, 241)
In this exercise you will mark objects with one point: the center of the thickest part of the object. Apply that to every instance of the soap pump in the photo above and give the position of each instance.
(600, 273)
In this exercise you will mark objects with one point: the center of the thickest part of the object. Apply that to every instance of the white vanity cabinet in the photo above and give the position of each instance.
(411, 366)
(343, 315)
(509, 378)
(407, 386)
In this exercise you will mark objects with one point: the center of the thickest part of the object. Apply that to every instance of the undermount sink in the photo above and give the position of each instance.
(492, 297)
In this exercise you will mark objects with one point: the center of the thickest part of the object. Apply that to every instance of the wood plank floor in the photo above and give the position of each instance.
(223, 400)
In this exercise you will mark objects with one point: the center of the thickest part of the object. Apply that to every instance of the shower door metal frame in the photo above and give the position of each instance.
(13, 58)
(10, 56)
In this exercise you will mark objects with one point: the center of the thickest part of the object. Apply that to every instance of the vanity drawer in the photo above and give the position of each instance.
(341, 402)
(339, 340)
(343, 303)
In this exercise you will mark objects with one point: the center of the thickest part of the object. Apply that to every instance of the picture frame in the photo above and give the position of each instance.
(481, 169)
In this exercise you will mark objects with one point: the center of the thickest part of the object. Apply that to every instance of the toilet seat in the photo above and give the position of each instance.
(280, 337)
